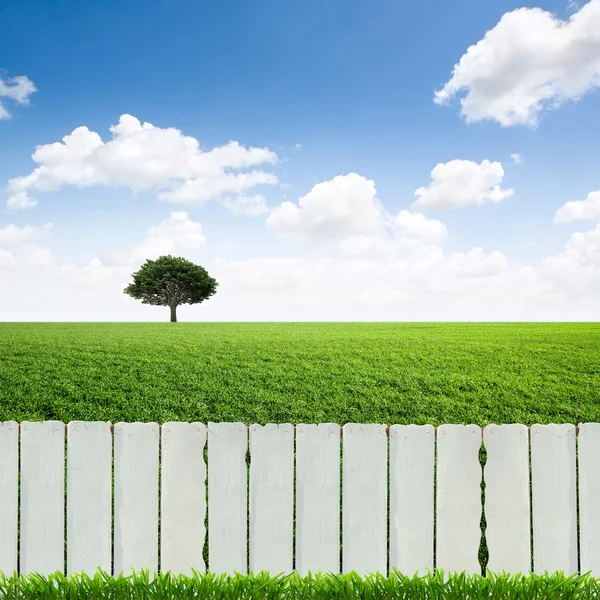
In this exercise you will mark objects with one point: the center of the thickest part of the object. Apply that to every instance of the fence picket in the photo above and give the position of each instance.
(9, 481)
(136, 497)
(554, 498)
(183, 497)
(364, 499)
(42, 497)
(318, 498)
(507, 515)
(227, 498)
(458, 498)
(89, 497)
(411, 498)
(589, 494)
(271, 498)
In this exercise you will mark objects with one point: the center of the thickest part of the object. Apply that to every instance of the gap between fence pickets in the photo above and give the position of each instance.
(387, 429)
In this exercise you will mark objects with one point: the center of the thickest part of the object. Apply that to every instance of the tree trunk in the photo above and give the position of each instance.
(174, 313)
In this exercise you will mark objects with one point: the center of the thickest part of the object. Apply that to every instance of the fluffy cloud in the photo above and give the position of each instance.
(176, 235)
(460, 183)
(588, 209)
(15, 89)
(530, 61)
(143, 157)
(517, 158)
(415, 226)
(345, 205)
(11, 235)
(581, 251)
(249, 206)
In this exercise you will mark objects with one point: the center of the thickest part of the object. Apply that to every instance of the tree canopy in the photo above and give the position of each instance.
(171, 281)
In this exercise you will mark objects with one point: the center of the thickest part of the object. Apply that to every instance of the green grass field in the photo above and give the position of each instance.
(259, 373)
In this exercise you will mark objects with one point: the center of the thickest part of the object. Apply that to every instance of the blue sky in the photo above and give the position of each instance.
(321, 90)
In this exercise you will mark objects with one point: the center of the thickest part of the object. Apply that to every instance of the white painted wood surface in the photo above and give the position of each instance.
(458, 498)
(507, 509)
(364, 499)
(9, 481)
(271, 498)
(183, 497)
(411, 498)
(227, 498)
(42, 542)
(318, 457)
(89, 497)
(589, 497)
(554, 498)
(136, 497)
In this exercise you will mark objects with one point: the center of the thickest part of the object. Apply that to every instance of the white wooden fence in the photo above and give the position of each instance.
(259, 535)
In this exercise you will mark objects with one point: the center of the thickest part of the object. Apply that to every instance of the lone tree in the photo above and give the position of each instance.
(171, 281)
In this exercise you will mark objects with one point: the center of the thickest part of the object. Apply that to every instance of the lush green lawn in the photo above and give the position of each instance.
(259, 373)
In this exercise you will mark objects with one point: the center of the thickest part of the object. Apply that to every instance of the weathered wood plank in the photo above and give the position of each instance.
(227, 498)
(317, 498)
(554, 498)
(42, 497)
(364, 499)
(9, 482)
(89, 497)
(183, 497)
(271, 498)
(589, 497)
(136, 497)
(507, 510)
(458, 498)
(411, 498)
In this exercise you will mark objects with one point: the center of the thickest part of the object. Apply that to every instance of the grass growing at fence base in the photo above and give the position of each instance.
(320, 586)
(301, 372)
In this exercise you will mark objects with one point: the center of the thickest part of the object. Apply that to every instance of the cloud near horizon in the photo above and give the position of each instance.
(395, 269)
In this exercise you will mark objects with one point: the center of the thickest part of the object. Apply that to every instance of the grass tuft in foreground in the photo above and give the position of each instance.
(323, 586)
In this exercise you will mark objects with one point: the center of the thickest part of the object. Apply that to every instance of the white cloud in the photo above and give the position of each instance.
(517, 158)
(417, 226)
(249, 206)
(20, 201)
(11, 235)
(582, 250)
(460, 183)
(399, 272)
(143, 157)
(176, 235)
(345, 205)
(15, 89)
(588, 209)
(529, 62)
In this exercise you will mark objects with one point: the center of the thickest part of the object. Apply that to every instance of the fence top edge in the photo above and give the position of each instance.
(248, 427)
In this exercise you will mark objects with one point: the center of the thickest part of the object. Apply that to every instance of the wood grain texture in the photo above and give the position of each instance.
(227, 498)
(364, 499)
(589, 498)
(9, 482)
(411, 498)
(507, 510)
(318, 498)
(183, 497)
(271, 498)
(136, 497)
(458, 498)
(42, 497)
(89, 497)
(554, 498)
